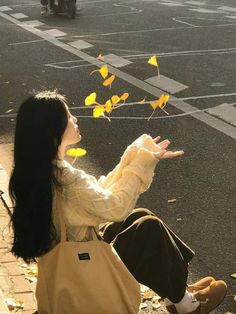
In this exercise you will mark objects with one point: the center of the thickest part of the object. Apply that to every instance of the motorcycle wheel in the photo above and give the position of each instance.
(71, 8)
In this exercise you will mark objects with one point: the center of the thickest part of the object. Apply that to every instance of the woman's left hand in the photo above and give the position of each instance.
(165, 153)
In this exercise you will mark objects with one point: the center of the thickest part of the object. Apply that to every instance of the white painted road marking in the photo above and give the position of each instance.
(180, 105)
(5, 9)
(116, 61)
(231, 16)
(19, 16)
(224, 8)
(33, 23)
(55, 32)
(172, 4)
(166, 84)
(195, 2)
(224, 112)
(80, 44)
(205, 11)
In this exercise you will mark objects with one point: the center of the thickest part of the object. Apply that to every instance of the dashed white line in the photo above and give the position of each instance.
(5, 9)
(80, 44)
(19, 16)
(55, 32)
(166, 84)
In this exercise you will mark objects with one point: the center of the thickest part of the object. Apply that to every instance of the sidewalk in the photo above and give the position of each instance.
(13, 282)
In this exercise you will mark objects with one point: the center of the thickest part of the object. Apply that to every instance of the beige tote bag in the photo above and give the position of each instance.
(85, 278)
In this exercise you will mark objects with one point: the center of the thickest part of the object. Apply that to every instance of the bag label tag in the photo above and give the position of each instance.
(84, 256)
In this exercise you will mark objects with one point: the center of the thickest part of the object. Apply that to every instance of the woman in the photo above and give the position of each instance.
(44, 129)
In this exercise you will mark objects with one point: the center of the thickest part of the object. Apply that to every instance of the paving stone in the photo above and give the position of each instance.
(14, 269)
(6, 256)
(28, 299)
(21, 285)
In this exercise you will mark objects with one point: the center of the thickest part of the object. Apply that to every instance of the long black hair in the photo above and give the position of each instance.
(41, 122)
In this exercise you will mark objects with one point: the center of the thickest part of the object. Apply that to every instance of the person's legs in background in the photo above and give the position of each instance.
(44, 7)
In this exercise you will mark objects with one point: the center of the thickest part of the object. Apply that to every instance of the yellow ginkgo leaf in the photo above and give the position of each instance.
(156, 103)
(108, 106)
(109, 81)
(153, 61)
(165, 99)
(98, 112)
(90, 99)
(104, 71)
(124, 96)
(115, 99)
(76, 152)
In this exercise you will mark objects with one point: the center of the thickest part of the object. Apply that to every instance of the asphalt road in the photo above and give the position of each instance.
(196, 45)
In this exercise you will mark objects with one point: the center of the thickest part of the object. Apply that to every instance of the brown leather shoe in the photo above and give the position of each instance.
(200, 284)
(209, 297)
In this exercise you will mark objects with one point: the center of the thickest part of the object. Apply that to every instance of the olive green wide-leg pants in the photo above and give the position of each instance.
(153, 253)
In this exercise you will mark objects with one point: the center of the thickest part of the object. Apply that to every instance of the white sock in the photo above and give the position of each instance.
(188, 304)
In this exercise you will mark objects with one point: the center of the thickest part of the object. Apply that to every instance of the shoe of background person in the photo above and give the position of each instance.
(209, 297)
(44, 10)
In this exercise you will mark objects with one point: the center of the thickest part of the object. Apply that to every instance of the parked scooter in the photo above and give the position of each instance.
(63, 6)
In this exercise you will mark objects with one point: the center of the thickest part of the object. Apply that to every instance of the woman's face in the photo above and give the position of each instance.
(72, 133)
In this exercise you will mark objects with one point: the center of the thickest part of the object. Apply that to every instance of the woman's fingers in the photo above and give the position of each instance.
(156, 139)
(168, 154)
(164, 144)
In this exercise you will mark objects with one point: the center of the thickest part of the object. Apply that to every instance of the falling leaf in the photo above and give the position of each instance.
(109, 81)
(103, 71)
(76, 152)
(98, 112)
(161, 102)
(142, 101)
(157, 103)
(153, 61)
(165, 99)
(124, 96)
(90, 99)
(115, 99)
(172, 200)
(108, 106)
(233, 275)
(148, 295)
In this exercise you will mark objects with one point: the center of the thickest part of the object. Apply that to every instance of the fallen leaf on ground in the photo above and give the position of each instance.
(148, 295)
(233, 275)
(156, 305)
(172, 200)
(142, 306)
(13, 304)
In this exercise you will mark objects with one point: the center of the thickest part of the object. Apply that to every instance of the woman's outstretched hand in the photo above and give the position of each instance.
(165, 153)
